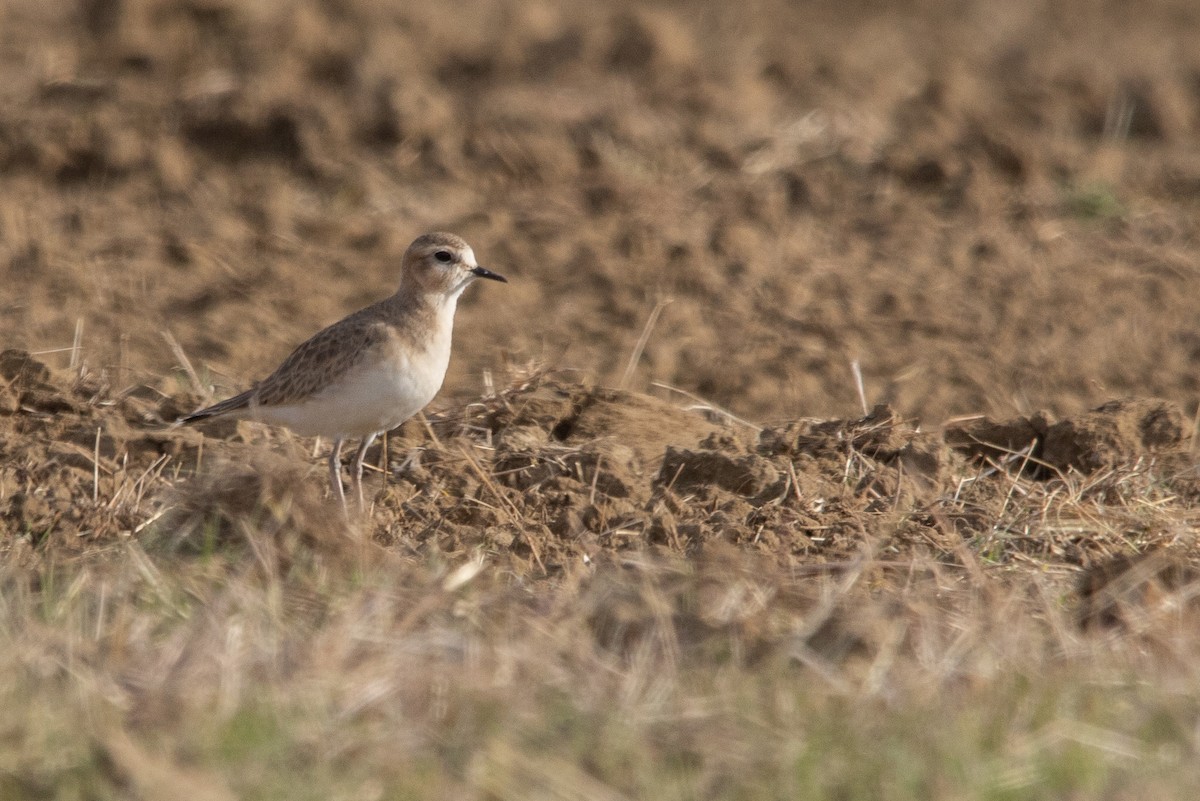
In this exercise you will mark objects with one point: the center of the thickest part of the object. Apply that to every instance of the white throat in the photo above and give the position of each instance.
(452, 295)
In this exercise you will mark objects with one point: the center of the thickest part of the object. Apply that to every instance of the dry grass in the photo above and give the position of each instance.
(947, 628)
(716, 677)
(565, 591)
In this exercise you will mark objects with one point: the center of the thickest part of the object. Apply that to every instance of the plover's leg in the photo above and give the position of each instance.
(359, 455)
(335, 472)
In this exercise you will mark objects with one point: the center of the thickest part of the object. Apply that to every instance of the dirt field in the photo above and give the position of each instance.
(651, 540)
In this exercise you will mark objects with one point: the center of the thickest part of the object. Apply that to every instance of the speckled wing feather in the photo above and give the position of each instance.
(236, 403)
(312, 366)
(322, 360)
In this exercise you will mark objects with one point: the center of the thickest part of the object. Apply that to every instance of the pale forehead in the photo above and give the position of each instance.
(439, 239)
(429, 244)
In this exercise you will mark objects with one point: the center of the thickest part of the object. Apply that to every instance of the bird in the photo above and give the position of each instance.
(372, 370)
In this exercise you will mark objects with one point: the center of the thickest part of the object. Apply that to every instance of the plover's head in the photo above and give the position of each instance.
(442, 264)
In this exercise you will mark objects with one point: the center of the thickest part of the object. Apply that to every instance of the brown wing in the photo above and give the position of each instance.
(217, 409)
(324, 358)
(314, 364)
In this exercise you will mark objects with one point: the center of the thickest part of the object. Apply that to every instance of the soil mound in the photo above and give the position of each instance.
(548, 476)
(1116, 433)
(986, 212)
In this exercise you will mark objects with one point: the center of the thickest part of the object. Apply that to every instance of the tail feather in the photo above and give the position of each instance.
(236, 403)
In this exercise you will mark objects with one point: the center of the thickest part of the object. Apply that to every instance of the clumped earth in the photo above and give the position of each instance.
(852, 344)
(991, 210)
(547, 474)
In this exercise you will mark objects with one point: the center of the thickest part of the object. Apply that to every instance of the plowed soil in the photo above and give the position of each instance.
(991, 212)
(833, 437)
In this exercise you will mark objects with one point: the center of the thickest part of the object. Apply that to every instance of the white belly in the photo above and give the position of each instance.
(373, 397)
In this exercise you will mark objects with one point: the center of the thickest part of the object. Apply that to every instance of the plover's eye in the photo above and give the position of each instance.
(444, 256)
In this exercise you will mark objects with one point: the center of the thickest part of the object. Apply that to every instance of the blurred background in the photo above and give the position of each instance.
(989, 207)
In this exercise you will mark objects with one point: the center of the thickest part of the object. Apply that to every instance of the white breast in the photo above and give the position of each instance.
(375, 396)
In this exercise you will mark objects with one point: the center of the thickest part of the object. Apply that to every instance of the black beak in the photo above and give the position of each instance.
(483, 272)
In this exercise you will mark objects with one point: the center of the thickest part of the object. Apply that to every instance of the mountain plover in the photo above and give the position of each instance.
(373, 370)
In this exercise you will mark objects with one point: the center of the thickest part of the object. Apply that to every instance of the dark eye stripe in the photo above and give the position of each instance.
(444, 256)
